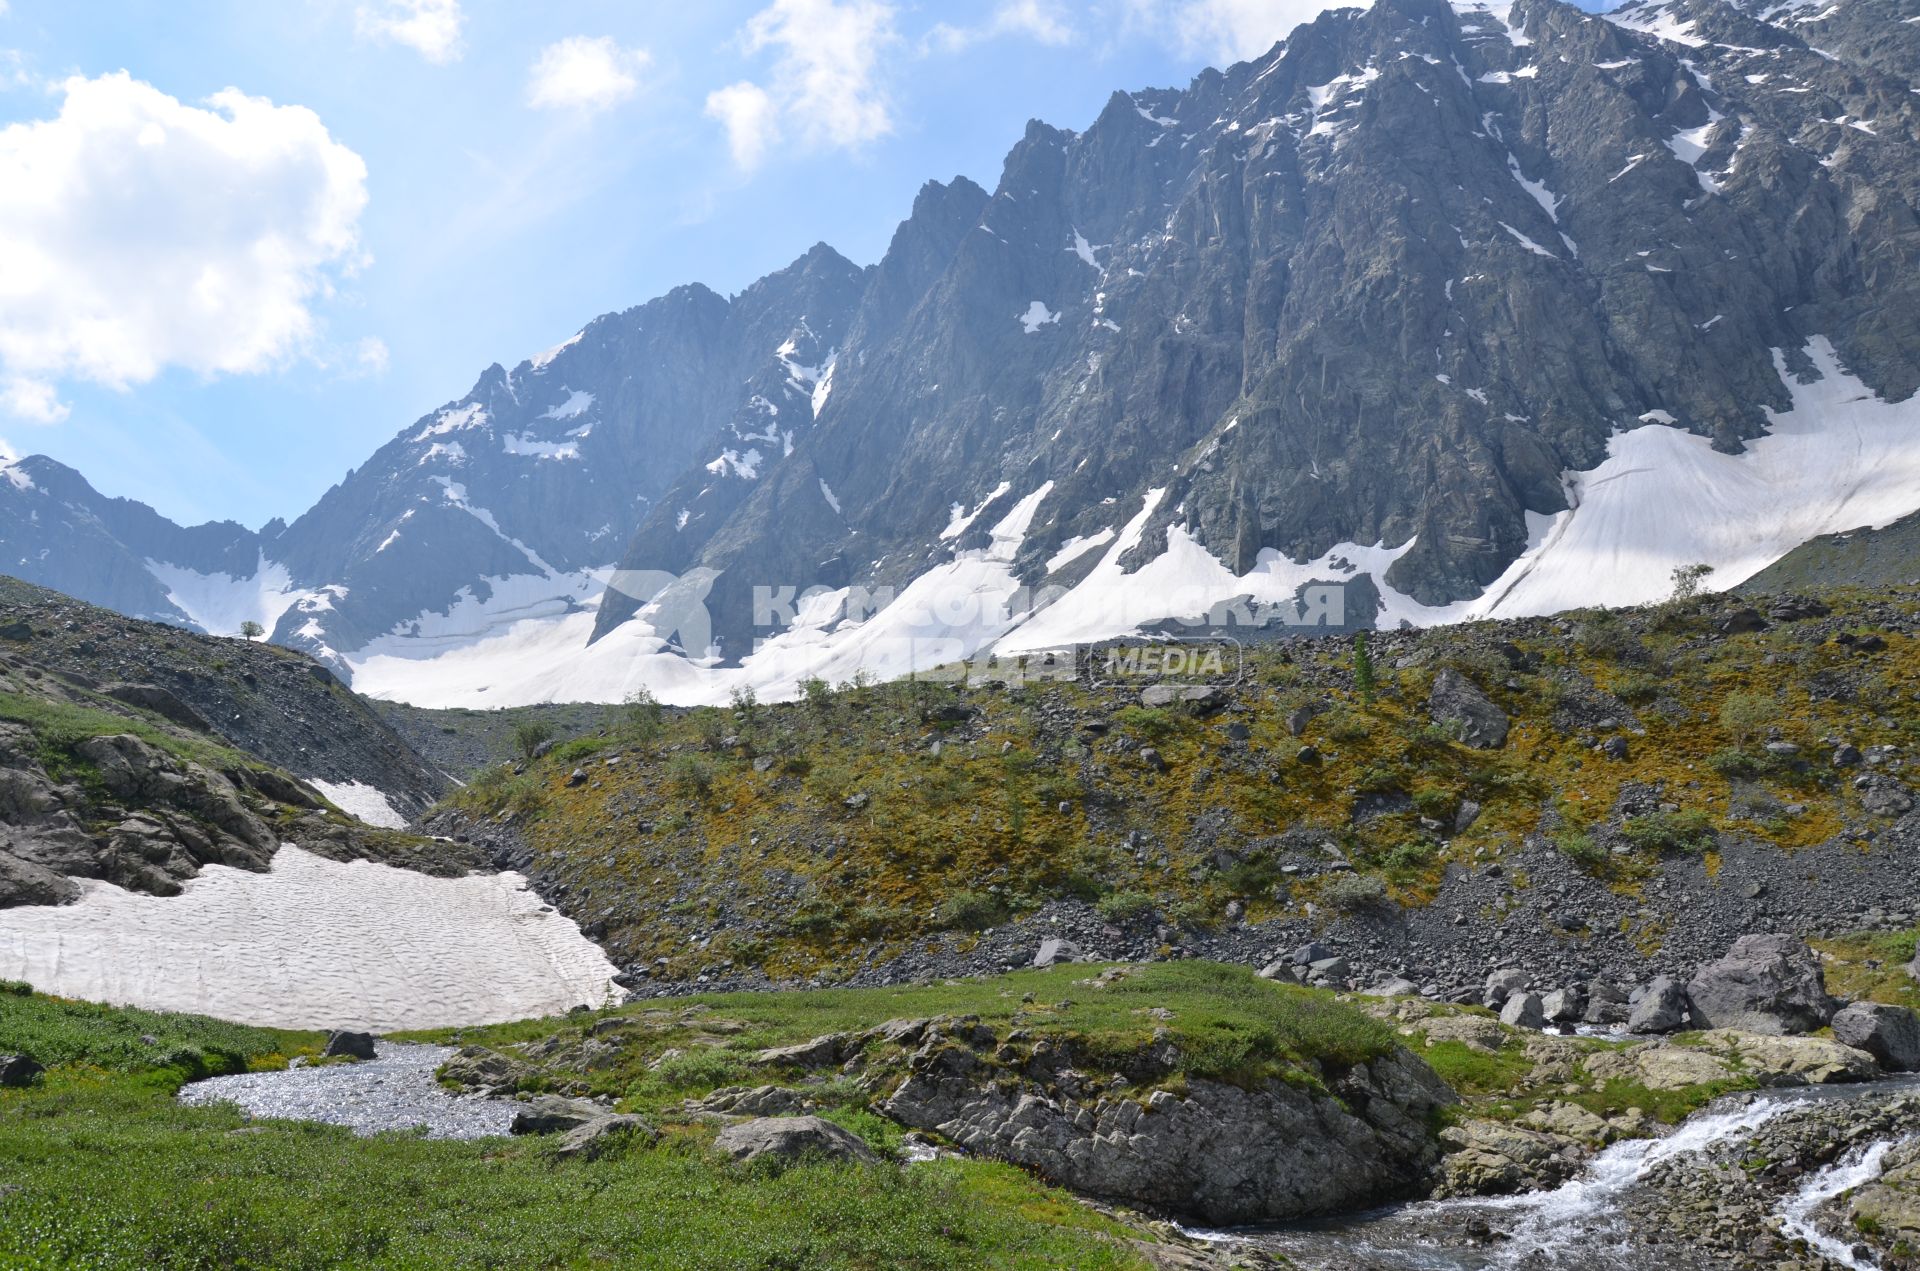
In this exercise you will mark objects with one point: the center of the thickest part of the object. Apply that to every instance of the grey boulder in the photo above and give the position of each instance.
(1768, 984)
(785, 1140)
(1457, 701)
(550, 1114)
(1502, 985)
(1661, 1009)
(1052, 951)
(1891, 1034)
(1523, 1011)
(18, 1071)
(602, 1135)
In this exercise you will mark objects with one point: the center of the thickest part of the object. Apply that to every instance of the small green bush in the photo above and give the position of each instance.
(1151, 723)
(529, 735)
(971, 911)
(1123, 907)
(1580, 848)
(690, 775)
(1354, 893)
(1744, 715)
(1689, 831)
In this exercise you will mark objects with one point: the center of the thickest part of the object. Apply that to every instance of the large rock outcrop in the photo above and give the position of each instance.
(1268, 1151)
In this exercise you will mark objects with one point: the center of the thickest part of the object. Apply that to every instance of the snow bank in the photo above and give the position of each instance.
(314, 944)
(362, 802)
(1840, 459)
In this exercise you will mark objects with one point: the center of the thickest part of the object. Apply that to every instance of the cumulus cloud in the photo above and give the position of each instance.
(584, 74)
(138, 232)
(430, 27)
(1039, 20)
(825, 89)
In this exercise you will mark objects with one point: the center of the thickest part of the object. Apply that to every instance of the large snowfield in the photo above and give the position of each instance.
(1840, 458)
(314, 944)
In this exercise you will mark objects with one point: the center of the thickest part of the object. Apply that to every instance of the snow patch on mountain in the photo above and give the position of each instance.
(1037, 316)
(577, 403)
(1839, 459)
(520, 444)
(219, 603)
(454, 419)
(540, 361)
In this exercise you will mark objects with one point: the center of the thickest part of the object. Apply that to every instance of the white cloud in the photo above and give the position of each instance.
(371, 355)
(1040, 20)
(826, 86)
(748, 114)
(585, 74)
(1231, 30)
(431, 27)
(32, 400)
(138, 233)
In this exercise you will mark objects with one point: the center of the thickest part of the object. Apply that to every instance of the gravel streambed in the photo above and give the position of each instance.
(393, 1091)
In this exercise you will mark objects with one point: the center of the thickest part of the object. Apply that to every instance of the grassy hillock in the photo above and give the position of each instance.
(808, 838)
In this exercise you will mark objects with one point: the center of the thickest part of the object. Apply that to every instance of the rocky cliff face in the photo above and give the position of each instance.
(1384, 285)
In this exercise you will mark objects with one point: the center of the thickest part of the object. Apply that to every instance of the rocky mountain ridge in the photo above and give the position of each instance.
(1464, 305)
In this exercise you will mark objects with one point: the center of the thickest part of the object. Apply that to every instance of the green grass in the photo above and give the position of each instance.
(113, 1174)
(104, 1169)
(60, 727)
(1228, 1023)
(59, 1032)
(1475, 1072)
(1669, 1107)
(1872, 966)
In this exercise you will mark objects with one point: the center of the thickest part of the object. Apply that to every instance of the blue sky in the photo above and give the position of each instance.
(220, 304)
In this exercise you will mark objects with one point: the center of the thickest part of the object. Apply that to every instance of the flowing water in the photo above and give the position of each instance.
(1837, 1179)
(1581, 1226)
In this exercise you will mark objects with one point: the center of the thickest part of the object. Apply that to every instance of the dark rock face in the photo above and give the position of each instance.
(1768, 984)
(350, 1045)
(1891, 1034)
(548, 469)
(784, 1140)
(1218, 1153)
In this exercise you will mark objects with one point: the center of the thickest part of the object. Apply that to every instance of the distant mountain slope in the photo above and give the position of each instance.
(1473, 309)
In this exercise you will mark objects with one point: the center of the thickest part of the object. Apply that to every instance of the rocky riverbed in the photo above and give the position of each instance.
(1756, 1181)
